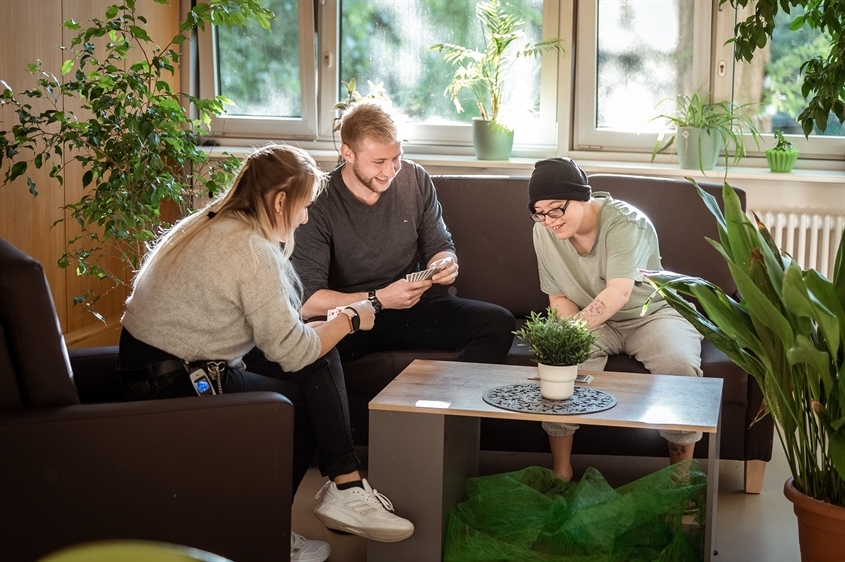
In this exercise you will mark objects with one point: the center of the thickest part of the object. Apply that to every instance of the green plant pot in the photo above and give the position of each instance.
(697, 148)
(490, 140)
(781, 161)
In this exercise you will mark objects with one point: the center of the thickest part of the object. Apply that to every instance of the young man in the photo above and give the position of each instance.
(377, 221)
(589, 250)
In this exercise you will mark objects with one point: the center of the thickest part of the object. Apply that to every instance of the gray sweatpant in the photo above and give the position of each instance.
(664, 342)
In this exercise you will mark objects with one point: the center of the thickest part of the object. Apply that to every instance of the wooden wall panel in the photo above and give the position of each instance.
(111, 305)
(29, 30)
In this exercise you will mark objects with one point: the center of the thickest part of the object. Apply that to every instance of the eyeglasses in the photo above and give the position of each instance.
(555, 213)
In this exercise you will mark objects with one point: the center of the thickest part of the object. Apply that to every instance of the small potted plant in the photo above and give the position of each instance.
(558, 345)
(703, 130)
(484, 73)
(782, 157)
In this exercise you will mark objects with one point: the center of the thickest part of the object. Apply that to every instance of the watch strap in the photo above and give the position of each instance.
(371, 296)
(354, 318)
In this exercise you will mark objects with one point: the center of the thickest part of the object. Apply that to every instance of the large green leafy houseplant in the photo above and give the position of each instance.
(137, 145)
(485, 73)
(788, 331)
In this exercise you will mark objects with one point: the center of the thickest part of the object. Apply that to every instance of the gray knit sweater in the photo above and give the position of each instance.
(222, 296)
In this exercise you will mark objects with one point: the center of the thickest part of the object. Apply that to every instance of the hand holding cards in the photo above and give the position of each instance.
(422, 275)
(436, 267)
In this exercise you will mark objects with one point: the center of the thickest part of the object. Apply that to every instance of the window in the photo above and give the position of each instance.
(634, 53)
(631, 55)
(265, 74)
(384, 41)
(772, 82)
(387, 42)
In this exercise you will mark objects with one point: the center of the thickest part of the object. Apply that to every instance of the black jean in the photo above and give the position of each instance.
(318, 394)
(480, 331)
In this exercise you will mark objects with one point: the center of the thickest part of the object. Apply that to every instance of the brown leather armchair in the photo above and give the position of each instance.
(212, 473)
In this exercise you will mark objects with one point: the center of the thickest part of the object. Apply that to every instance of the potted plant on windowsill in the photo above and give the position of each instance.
(788, 332)
(558, 345)
(782, 157)
(484, 73)
(137, 146)
(703, 130)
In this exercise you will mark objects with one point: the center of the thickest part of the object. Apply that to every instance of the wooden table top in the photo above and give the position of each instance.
(645, 401)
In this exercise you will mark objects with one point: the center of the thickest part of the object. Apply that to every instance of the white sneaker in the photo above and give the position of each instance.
(303, 550)
(361, 511)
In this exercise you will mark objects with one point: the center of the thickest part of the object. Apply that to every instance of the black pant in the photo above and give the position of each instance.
(318, 393)
(481, 331)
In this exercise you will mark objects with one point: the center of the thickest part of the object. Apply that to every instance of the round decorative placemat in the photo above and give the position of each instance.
(526, 397)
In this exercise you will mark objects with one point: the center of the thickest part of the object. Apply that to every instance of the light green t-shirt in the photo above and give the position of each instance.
(625, 242)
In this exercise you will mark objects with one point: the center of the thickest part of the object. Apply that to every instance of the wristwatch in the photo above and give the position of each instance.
(354, 319)
(371, 296)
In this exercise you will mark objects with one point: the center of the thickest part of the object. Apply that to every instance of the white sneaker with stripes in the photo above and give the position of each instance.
(361, 511)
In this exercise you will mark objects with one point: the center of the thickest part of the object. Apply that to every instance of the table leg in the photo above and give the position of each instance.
(712, 490)
(421, 462)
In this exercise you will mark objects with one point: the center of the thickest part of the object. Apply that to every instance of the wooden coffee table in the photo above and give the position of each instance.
(424, 436)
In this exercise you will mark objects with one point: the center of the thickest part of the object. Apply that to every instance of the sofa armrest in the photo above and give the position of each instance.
(95, 374)
(212, 473)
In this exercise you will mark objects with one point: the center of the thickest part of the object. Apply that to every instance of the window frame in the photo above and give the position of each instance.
(586, 137)
(817, 147)
(567, 91)
(244, 126)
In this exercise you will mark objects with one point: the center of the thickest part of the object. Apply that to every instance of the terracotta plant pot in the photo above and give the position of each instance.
(557, 382)
(821, 526)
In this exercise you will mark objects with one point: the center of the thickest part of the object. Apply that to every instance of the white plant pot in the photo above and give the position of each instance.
(557, 382)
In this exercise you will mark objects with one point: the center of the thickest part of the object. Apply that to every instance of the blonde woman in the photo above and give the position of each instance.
(216, 308)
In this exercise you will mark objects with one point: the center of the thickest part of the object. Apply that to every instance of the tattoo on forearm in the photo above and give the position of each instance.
(594, 310)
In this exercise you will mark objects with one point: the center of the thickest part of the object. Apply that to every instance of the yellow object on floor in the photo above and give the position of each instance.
(131, 551)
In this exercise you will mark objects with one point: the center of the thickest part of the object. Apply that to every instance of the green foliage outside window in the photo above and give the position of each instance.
(823, 75)
(380, 40)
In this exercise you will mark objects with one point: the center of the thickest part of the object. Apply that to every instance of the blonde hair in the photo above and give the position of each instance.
(367, 120)
(266, 172)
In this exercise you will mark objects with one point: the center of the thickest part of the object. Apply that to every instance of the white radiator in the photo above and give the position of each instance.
(811, 239)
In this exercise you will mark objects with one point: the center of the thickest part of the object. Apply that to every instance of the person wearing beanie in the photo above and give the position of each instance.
(590, 248)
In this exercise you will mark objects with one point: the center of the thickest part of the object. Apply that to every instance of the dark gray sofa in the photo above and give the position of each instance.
(488, 218)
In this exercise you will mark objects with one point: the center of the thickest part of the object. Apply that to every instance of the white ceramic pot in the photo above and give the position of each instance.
(557, 382)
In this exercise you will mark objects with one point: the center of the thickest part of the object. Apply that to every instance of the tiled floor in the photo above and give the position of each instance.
(750, 528)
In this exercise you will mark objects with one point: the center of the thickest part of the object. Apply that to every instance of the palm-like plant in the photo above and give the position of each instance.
(484, 73)
(788, 332)
(724, 119)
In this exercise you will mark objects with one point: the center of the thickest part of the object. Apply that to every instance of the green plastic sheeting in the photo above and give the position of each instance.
(529, 515)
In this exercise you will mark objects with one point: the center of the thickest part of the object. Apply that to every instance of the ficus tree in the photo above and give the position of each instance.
(136, 138)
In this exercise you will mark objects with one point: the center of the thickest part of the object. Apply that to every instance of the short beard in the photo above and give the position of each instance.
(367, 182)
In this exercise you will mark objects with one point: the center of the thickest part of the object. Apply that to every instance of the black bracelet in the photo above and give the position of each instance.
(371, 296)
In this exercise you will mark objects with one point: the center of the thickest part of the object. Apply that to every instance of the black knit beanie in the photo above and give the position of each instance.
(558, 179)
